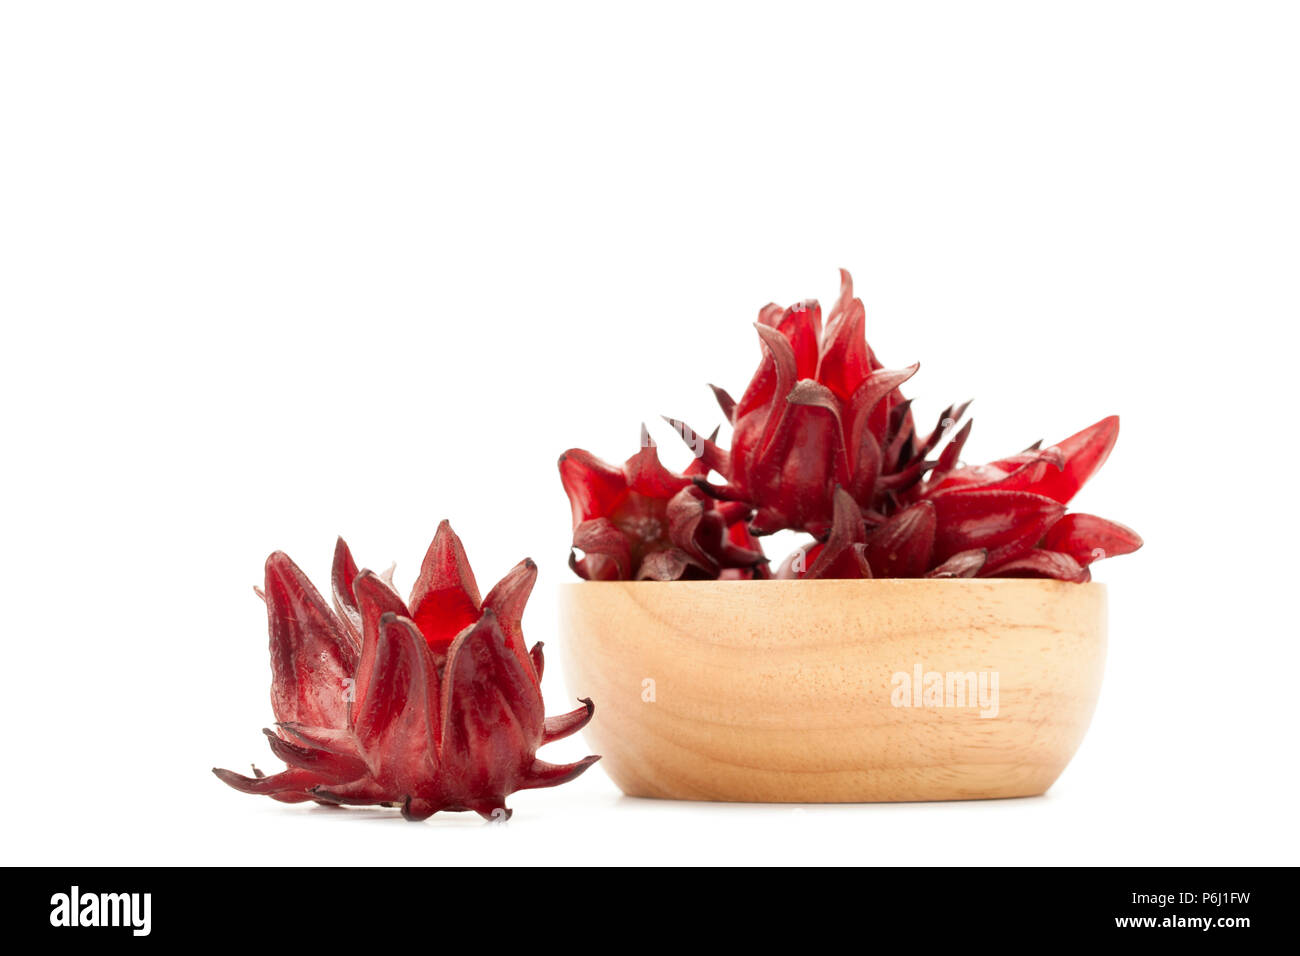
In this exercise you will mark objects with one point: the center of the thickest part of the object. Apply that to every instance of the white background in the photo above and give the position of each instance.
(271, 272)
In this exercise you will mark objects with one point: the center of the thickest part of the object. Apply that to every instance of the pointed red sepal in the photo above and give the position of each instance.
(397, 722)
(902, 445)
(1084, 453)
(646, 475)
(865, 407)
(802, 327)
(343, 573)
(816, 395)
(374, 599)
(949, 419)
(843, 302)
(725, 402)
(312, 658)
(492, 713)
(328, 766)
(594, 487)
(445, 599)
(762, 387)
(1087, 538)
(699, 469)
(842, 555)
(1023, 472)
(292, 784)
(951, 453)
(787, 374)
(342, 742)
(543, 774)
(1006, 523)
(564, 725)
(708, 455)
(507, 599)
(1039, 563)
(845, 358)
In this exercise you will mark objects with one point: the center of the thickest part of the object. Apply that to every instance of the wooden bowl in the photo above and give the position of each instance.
(792, 691)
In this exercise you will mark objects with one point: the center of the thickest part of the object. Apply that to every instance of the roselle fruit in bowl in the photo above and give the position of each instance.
(937, 635)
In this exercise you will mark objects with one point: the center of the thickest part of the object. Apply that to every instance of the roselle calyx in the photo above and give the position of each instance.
(824, 442)
(428, 704)
(821, 412)
(644, 522)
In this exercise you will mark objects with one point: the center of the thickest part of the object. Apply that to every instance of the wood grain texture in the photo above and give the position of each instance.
(781, 691)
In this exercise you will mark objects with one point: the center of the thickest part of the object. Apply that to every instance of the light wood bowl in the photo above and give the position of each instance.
(785, 691)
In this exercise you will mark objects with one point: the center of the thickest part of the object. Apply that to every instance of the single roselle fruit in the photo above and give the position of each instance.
(1015, 507)
(642, 521)
(1004, 519)
(820, 413)
(432, 704)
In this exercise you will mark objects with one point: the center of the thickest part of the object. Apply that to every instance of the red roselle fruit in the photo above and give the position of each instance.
(644, 522)
(432, 704)
(1004, 519)
(820, 413)
(823, 441)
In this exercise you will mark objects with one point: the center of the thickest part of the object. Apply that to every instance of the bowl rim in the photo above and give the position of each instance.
(1045, 585)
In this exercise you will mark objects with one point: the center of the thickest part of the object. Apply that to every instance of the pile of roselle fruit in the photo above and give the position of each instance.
(823, 442)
